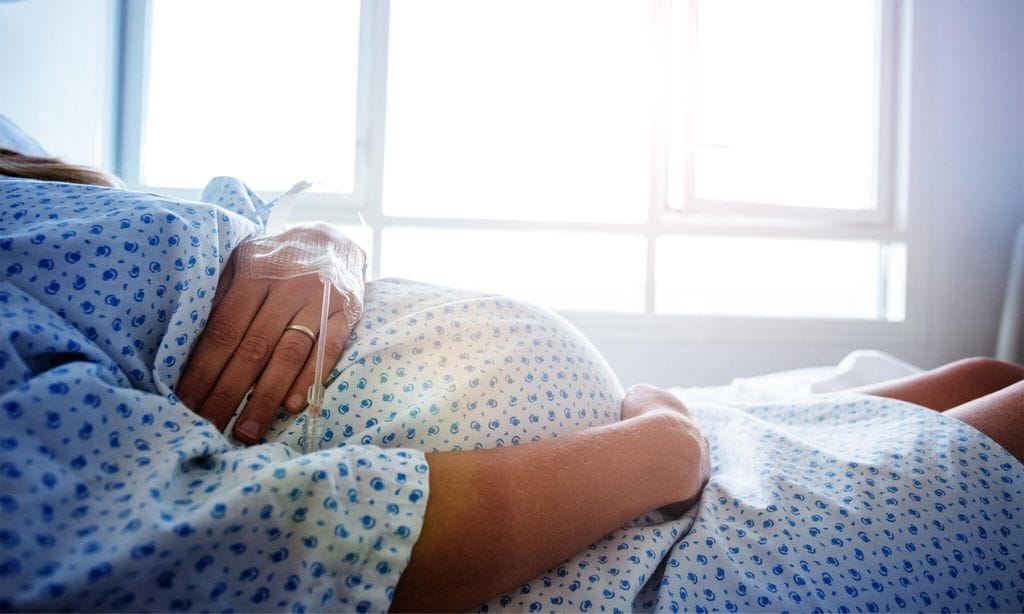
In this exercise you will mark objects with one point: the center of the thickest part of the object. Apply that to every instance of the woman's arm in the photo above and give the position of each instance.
(496, 518)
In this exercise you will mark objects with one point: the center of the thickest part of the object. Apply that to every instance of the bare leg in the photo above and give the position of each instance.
(999, 415)
(950, 385)
(985, 393)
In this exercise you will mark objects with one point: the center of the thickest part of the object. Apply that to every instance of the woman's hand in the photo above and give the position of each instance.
(692, 449)
(497, 517)
(247, 342)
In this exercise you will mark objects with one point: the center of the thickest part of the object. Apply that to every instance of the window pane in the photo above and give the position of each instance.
(519, 109)
(896, 282)
(787, 102)
(566, 271)
(261, 90)
(745, 276)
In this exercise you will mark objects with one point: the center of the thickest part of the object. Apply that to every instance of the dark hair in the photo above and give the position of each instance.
(14, 164)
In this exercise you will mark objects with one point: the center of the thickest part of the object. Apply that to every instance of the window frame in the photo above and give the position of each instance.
(680, 198)
(887, 223)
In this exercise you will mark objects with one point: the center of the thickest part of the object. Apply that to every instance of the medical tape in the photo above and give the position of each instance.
(304, 250)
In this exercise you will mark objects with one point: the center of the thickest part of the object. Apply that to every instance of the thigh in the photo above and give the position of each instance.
(999, 415)
(950, 385)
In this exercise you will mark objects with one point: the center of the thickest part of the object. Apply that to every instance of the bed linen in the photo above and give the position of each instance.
(116, 497)
(858, 368)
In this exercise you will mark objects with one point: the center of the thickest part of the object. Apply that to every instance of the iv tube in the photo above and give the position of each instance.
(279, 210)
(315, 397)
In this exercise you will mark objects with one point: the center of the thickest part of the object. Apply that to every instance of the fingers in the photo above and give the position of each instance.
(246, 364)
(238, 342)
(643, 398)
(337, 335)
(290, 354)
(247, 345)
(228, 322)
(288, 376)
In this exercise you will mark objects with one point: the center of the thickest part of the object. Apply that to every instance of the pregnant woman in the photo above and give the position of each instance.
(115, 495)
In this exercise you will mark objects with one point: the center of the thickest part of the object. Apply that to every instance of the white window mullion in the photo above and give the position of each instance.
(661, 127)
(371, 119)
(651, 270)
(685, 90)
(680, 107)
(896, 49)
(687, 226)
(131, 85)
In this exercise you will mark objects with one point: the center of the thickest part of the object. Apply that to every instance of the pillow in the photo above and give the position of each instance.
(14, 138)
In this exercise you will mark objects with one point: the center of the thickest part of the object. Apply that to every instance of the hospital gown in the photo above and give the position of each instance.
(115, 496)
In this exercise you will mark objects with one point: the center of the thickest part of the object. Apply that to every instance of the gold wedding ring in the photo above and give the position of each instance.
(302, 329)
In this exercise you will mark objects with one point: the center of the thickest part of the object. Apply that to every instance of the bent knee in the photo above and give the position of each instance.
(997, 373)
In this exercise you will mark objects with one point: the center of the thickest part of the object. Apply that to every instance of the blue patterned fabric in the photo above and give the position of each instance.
(440, 369)
(852, 503)
(849, 503)
(115, 496)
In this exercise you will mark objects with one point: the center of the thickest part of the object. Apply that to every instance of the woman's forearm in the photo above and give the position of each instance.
(496, 518)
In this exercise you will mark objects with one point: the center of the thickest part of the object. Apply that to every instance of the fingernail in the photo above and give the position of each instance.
(295, 402)
(249, 430)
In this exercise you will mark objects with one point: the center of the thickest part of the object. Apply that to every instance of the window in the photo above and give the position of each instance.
(777, 104)
(260, 90)
(648, 162)
(568, 271)
(492, 115)
(755, 276)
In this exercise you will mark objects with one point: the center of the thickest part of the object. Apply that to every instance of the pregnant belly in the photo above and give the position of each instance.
(441, 369)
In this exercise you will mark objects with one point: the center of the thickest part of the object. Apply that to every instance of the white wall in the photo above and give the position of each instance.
(56, 72)
(976, 175)
(967, 170)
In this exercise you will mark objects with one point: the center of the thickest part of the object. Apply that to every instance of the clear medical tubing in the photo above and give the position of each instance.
(306, 250)
(314, 430)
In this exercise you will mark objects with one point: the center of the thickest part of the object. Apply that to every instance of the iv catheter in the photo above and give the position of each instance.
(276, 257)
(315, 397)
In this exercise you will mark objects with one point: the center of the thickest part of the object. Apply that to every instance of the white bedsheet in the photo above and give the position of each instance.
(859, 368)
